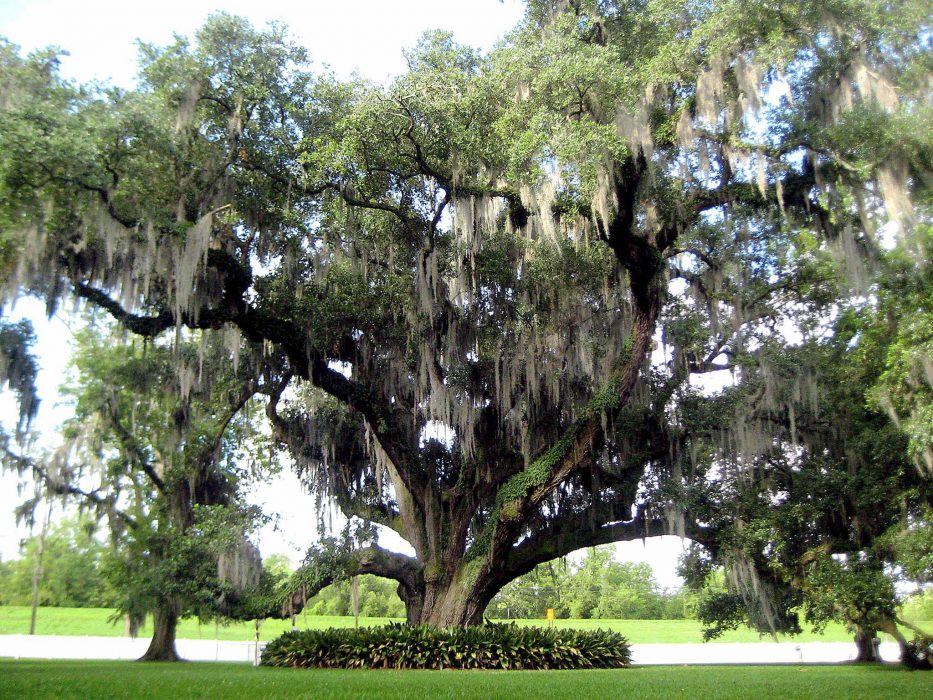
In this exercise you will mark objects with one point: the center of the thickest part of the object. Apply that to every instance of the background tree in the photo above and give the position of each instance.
(838, 486)
(377, 598)
(596, 586)
(71, 576)
(482, 383)
(157, 449)
(529, 596)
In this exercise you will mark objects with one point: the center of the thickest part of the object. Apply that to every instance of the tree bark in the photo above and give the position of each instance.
(865, 642)
(446, 606)
(162, 646)
(890, 626)
(37, 566)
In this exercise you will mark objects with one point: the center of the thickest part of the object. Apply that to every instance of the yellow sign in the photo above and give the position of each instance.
(550, 614)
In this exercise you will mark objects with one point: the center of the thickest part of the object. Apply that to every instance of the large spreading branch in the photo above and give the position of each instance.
(330, 565)
(563, 538)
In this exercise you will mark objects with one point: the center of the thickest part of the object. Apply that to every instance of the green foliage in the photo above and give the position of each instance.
(597, 587)
(854, 591)
(918, 605)
(475, 240)
(378, 598)
(262, 599)
(720, 611)
(489, 646)
(72, 569)
(901, 329)
(18, 369)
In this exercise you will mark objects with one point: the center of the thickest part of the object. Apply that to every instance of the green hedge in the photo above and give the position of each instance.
(489, 646)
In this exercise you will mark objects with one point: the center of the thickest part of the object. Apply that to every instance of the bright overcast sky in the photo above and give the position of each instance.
(363, 35)
(367, 36)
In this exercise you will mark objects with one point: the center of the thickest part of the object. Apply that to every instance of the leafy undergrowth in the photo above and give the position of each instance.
(490, 646)
(125, 680)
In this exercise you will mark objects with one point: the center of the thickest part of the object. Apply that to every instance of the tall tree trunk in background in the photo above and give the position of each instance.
(37, 567)
(165, 623)
(865, 643)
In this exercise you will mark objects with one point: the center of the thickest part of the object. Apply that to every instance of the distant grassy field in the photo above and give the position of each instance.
(93, 622)
(116, 680)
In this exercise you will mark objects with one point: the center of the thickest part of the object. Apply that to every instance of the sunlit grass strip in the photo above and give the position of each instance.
(122, 680)
(92, 622)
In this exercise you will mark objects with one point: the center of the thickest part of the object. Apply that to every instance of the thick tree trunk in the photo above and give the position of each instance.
(866, 643)
(162, 646)
(890, 626)
(452, 606)
(456, 600)
(37, 567)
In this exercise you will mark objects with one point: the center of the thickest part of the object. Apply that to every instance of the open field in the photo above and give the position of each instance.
(93, 622)
(114, 679)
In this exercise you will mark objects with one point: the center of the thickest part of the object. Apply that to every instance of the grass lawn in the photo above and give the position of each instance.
(93, 622)
(114, 680)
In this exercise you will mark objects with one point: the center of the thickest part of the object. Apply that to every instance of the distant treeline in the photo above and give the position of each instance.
(73, 569)
(596, 586)
(75, 574)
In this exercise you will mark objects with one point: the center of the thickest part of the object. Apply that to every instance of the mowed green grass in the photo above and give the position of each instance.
(117, 680)
(93, 622)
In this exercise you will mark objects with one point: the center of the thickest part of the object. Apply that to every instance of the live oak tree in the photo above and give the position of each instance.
(808, 520)
(158, 450)
(837, 500)
(484, 289)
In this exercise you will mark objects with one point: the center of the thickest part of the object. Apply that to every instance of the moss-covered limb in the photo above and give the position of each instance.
(567, 536)
(258, 326)
(149, 326)
(379, 512)
(912, 627)
(381, 562)
(335, 560)
(525, 491)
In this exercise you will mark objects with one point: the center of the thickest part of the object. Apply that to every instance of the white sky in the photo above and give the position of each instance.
(366, 36)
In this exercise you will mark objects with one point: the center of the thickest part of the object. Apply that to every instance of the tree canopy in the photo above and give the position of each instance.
(162, 456)
(482, 295)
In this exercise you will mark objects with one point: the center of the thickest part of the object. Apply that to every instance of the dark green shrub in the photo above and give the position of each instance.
(919, 653)
(489, 646)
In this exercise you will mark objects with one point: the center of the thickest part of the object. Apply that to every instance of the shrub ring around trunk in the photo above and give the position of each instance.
(488, 646)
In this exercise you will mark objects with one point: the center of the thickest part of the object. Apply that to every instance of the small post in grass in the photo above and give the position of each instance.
(549, 616)
(355, 600)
